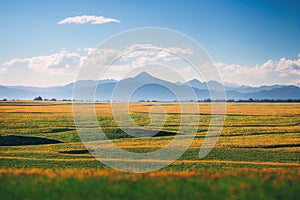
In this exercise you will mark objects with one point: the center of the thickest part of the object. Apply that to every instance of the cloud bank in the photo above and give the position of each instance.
(84, 19)
(283, 71)
(55, 63)
(67, 64)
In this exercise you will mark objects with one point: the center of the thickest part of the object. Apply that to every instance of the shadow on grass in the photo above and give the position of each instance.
(273, 146)
(147, 133)
(13, 140)
(83, 151)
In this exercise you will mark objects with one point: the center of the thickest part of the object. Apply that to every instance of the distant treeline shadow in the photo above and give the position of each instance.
(13, 140)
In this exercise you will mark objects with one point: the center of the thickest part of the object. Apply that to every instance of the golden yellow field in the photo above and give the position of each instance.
(259, 147)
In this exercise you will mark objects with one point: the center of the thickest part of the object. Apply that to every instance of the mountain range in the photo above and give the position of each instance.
(153, 89)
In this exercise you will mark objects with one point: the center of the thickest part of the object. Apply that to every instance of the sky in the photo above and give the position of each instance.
(44, 43)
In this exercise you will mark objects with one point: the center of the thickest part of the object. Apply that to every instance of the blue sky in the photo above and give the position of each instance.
(244, 33)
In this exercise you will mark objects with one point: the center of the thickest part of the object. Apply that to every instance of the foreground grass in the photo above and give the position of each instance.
(108, 184)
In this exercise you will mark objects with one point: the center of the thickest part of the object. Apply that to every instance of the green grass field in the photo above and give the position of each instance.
(256, 156)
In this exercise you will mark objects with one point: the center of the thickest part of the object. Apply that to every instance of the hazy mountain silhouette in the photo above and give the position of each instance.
(248, 89)
(146, 87)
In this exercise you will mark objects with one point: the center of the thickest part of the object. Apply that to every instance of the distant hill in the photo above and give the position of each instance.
(148, 87)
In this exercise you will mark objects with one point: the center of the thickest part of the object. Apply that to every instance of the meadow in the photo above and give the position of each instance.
(256, 156)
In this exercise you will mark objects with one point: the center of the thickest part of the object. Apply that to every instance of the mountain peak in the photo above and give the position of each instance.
(143, 74)
(195, 81)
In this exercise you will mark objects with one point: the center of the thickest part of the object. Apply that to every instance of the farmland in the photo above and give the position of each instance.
(256, 156)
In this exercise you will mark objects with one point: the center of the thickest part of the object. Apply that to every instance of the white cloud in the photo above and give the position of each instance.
(130, 58)
(3, 70)
(271, 72)
(137, 54)
(295, 82)
(68, 63)
(84, 19)
(54, 63)
(151, 53)
(120, 67)
(58, 63)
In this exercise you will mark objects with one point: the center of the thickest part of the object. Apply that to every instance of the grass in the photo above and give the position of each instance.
(266, 184)
(256, 156)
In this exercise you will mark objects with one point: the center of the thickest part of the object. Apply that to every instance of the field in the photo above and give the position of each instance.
(256, 156)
